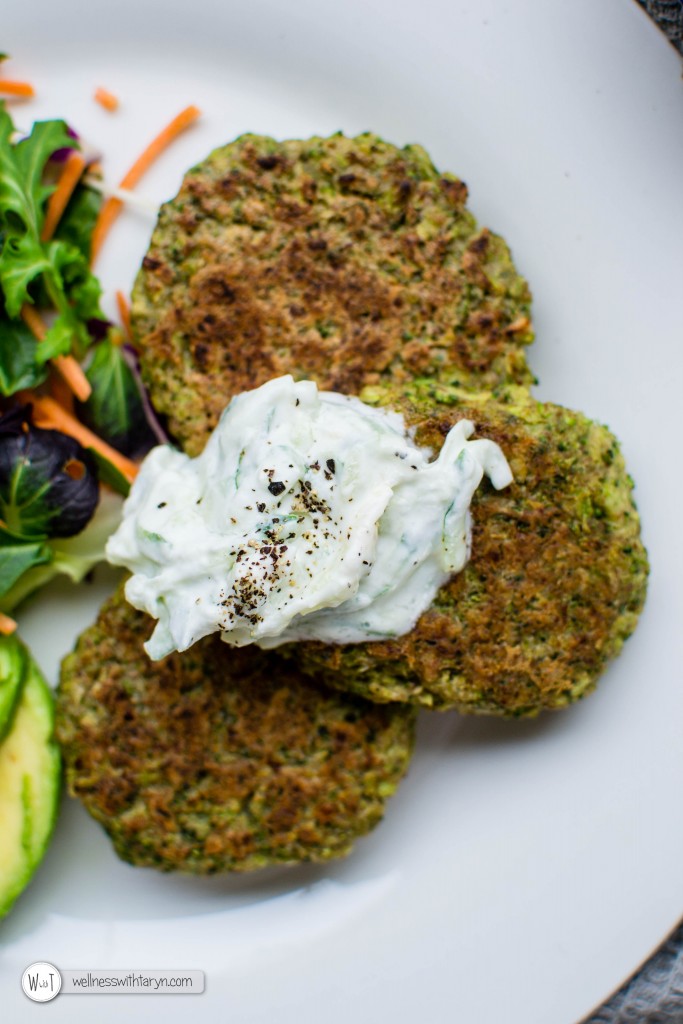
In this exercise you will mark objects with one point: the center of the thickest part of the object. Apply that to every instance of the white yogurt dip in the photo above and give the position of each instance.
(309, 515)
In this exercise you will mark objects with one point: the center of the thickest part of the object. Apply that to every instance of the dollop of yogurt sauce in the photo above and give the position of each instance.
(308, 516)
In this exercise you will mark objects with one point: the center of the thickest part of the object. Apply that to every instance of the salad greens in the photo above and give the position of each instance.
(58, 498)
(73, 557)
(48, 490)
(54, 515)
(28, 266)
(20, 366)
(115, 410)
(78, 220)
(48, 481)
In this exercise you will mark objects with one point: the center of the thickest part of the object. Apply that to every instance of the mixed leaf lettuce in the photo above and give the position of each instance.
(49, 492)
(73, 557)
(29, 267)
(54, 515)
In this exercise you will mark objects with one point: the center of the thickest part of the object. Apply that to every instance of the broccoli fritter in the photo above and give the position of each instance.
(344, 260)
(357, 265)
(555, 583)
(220, 759)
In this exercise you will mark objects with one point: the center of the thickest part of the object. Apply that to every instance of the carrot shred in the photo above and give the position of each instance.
(34, 321)
(124, 314)
(109, 211)
(57, 203)
(72, 373)
(60, 391)
(156, 147)
(67, 366)
(7, 625)
(11, 88)
(106, 99)
(47, 413)
(111, 208)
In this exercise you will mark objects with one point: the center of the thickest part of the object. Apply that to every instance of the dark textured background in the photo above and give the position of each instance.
(669, 16)
(655, 994)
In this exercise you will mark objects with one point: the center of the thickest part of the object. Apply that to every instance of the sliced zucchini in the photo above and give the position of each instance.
(30, 776)
(13, 661)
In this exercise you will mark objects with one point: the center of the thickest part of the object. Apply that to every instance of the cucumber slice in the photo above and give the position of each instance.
(30, 775)
(13, 662)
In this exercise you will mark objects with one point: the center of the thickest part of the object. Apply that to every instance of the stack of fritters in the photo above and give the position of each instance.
(557, 576)
(355, 264)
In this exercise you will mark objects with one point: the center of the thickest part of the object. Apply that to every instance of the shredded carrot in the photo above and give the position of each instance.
(106, 99)
(57, 203)
(10, 88)
(7, 625)
(34, 321)
(110, 209)
(124, 314)
(72, 373)
(156, 147)
(47, 413)
(67, 366)
(60, 391)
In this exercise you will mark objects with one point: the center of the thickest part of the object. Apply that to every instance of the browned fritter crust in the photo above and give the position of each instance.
(555, 584)
(348, 261)
(220, 759)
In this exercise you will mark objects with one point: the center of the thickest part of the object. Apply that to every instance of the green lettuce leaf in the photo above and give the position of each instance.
(19, 364)
(55, 273)
(16, 557)
(109, 474)
(22, 191)
(73, 557)
(22, 260)
(78, 220)
(114, 410)
(57, 341)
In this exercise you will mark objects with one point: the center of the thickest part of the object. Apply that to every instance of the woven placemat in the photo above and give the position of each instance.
(654, 995)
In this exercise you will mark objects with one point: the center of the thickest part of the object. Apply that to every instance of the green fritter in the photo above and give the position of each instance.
(556, 580)
(220, 759)
(344, 260)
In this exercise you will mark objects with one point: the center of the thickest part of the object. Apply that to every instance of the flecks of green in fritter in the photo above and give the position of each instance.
(345, 260)
(556, 580)
(220, 759)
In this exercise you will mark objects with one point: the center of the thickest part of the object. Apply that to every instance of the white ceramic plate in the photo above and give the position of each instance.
(523, 870)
